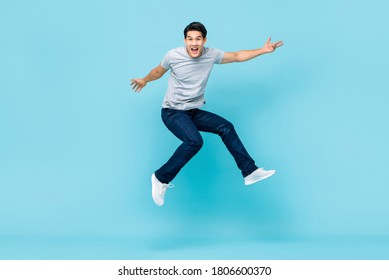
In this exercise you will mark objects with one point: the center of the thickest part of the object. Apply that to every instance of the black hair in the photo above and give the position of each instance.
(195, 26)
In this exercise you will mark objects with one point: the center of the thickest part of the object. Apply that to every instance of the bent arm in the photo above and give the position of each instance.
(155, 74)
(244, 55)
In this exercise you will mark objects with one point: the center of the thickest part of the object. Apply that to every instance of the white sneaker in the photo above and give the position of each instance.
(258, 175)
(158, 190)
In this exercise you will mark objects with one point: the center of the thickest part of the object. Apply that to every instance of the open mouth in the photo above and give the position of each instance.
(194, 50)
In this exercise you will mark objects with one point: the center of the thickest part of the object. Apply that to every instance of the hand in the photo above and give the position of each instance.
(270, 47)
(137, 84)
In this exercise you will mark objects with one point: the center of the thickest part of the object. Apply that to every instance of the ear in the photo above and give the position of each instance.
(205, 40)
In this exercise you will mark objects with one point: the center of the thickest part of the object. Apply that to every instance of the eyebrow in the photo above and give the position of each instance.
(189, 37)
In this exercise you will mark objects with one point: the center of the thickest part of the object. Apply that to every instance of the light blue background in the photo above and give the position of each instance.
(77, 148)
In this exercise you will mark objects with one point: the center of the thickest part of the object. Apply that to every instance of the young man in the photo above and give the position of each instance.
(190, 68)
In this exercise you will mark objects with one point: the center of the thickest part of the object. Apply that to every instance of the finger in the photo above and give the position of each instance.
(134, 81)
(135, 87)
(279, 43)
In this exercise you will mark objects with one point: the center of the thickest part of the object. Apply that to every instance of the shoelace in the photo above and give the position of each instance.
(166, 186)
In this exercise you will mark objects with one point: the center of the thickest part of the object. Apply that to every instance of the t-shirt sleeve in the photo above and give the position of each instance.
(219, 55)
(165, 63)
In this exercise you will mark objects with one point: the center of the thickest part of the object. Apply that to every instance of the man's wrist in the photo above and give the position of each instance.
(264, 51)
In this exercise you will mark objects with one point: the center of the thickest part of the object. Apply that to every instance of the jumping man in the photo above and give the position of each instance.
(190, 67)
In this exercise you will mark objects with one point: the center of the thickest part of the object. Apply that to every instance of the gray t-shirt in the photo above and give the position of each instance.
(188, 77)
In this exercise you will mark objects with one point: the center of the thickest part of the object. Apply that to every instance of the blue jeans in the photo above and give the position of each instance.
(186, 126)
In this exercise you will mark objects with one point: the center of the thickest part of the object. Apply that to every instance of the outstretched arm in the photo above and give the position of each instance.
(156, 73)
(245, 55)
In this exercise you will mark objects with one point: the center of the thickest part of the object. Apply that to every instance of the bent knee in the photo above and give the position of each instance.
(225, 128)
(196, 144)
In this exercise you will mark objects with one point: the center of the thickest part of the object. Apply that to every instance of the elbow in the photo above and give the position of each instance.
(239, 57)
(158, 74)
(159, 71)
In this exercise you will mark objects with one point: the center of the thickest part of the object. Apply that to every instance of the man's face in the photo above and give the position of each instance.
(194, 42)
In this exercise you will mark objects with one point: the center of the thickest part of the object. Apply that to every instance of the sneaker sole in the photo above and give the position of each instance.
(260, 179)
